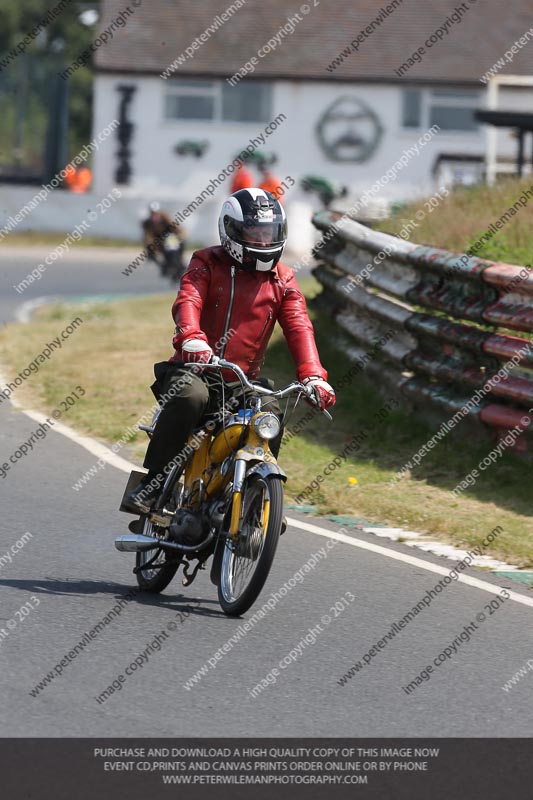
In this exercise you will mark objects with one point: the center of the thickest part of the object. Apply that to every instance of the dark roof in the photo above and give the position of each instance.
(159, 30)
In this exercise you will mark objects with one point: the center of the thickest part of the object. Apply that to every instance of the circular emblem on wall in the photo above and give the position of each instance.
(349, 130)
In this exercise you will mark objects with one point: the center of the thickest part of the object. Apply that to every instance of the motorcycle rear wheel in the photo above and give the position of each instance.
(245, 565)
(154, 580)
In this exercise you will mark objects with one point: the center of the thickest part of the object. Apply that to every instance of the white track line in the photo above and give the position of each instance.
(26, 310)
(94, 447)
(87, 442)
(122, 464)
(407, 559)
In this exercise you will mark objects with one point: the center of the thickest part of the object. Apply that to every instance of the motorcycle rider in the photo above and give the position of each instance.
(229, 301)
(156, 227)
(242, 179)
(269, 182)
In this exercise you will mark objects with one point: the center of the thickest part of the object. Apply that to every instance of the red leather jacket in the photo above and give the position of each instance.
(235, 312)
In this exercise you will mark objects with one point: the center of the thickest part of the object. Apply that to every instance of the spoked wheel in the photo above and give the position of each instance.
(154, 578)
(246, 562)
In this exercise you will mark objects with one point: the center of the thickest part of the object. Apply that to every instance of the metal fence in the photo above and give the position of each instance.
(433, 325)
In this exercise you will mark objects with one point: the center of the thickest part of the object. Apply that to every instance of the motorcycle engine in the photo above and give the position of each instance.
(188, 527)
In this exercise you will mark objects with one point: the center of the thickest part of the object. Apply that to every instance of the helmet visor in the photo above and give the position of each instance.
(256, 233)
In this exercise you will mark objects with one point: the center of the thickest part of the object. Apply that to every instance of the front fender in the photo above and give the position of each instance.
(265, 468)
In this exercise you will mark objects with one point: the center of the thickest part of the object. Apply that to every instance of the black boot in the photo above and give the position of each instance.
(142, 498)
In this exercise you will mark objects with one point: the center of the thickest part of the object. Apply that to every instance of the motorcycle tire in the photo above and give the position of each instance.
(154, 581)
(235, 605)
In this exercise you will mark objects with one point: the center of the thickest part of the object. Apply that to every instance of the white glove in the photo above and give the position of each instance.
(324, 393)
(196, 351)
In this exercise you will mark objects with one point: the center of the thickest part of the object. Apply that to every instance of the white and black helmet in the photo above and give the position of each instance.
(253, 229)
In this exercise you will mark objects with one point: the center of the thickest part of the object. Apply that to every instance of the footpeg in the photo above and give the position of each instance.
(136, 525)
(159, 520)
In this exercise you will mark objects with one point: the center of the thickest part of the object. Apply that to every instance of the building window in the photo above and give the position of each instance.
(179, 107)
(452, 110)
(217, 101)
(246, 102)
(411, 108)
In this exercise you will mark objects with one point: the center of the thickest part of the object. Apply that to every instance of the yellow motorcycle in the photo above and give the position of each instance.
(224, 500)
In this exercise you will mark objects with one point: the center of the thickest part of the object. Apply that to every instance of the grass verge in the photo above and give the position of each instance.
(111, 356)
(52, 239)
(459, 221)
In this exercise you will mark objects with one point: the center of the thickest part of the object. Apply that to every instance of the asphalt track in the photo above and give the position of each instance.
(71, 576)
(82, 272)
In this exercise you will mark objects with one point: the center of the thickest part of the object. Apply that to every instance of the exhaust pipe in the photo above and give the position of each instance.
(138, 543)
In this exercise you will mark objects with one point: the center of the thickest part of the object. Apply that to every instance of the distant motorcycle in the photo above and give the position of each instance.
(172, 265)
(163, 241)
(225, 501)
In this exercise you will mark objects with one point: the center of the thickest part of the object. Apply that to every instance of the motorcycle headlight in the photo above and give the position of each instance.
(267, 425)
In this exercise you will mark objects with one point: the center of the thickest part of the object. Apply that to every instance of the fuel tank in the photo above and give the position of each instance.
(225, 443)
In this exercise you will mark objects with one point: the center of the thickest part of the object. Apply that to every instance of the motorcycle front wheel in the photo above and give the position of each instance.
(246, 562)
(176, 267)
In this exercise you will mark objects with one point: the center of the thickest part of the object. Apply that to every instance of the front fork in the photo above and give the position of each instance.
(238, 481)
(236, 507)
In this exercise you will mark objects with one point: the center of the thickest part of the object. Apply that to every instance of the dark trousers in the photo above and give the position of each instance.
(187, 399)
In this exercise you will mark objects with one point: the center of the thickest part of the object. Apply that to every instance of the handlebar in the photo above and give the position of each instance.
(296, 386)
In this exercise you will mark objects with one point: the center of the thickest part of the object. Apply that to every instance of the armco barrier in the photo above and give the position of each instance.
(426, 322)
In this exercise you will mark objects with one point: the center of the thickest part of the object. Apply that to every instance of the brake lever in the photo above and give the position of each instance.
(311, 396)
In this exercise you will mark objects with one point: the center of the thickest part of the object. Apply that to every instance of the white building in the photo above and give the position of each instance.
(358, 83)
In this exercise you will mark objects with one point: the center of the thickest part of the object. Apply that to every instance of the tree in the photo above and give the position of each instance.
(54, 47)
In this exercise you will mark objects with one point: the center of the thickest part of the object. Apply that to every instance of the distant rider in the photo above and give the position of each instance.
(157, 225)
